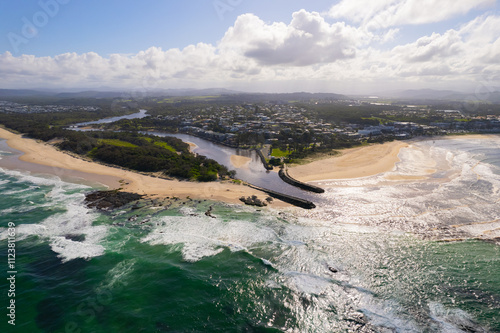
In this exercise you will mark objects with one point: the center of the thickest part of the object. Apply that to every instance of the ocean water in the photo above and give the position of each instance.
(376, 255)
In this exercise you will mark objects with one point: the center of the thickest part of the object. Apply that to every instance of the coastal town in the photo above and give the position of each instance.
(288, 124)
(11, 107)
(290, 127)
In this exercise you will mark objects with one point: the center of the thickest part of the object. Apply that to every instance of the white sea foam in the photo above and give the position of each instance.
(118, 276)
(68, 250)
(463, 190)
(58, 228)
(12, 192)
(41, 180)
(452, 320)
(202, 236)
(308, 283)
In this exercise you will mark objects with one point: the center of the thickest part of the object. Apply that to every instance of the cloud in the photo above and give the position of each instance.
(306, 52)
(431, 48)
(388, 13)
(307, 40)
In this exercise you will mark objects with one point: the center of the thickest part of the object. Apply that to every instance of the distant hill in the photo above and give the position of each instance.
(426, 94)
(90, 94)
(494, 97)
(22, 93)
(193, 92)
(282, 97)
(223, 95)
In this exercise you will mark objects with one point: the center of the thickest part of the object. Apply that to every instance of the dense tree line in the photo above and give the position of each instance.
(144, 153)
(155, 159)
(143, 125)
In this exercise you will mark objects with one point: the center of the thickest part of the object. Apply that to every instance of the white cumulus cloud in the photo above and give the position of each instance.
(307, 40)
(306, 53)
(387, 13)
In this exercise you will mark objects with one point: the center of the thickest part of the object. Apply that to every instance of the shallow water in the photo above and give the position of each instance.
(170, 268)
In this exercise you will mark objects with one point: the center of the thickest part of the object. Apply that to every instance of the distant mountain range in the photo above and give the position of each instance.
(419, 95)
(115, 94)
(223, 94)
(445, 95)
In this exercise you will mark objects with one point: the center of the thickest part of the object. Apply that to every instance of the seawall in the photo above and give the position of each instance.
(263, 159)
(286, 198)
(307, 187)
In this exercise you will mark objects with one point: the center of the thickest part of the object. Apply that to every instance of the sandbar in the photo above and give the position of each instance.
(240, 161)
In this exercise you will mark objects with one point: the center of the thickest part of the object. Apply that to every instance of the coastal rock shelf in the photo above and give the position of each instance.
(287, 179)
(108, 200)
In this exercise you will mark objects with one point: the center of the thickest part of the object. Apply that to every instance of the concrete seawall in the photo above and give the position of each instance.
(263, 159)
(286, 198)
(287, 179)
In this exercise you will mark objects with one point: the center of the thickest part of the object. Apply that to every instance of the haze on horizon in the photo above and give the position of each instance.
(344, 46)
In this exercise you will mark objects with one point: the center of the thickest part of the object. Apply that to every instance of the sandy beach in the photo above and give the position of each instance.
(240, 161)
(352, 163)
(63, 165)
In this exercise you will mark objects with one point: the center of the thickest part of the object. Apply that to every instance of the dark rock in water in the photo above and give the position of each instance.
(253, 201)
(137, 206)
(108, 200)
(209, 213)
(76, 238)
(332, 269)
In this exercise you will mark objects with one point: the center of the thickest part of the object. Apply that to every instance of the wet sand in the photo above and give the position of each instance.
(240, 161)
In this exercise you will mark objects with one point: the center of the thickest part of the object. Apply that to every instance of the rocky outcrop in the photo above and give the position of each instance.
(253, 201)
(108, 200)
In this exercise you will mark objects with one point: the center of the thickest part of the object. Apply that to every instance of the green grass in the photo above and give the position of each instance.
(279, 153)
(118, 143)
(165, 145)
(160, 144)
(380, 120)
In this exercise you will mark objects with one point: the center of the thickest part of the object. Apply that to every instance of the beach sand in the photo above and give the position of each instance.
(192, 146)
(240, 161)
(352, 163)
(50, 160)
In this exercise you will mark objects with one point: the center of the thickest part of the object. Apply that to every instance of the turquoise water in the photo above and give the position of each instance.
(170, 268)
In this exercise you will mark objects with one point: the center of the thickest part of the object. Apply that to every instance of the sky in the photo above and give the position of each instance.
(343, 46)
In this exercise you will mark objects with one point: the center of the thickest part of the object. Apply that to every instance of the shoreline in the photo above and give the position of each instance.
(351, 163)
(40, 157)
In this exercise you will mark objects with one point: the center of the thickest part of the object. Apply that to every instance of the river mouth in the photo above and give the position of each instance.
(444, 189)
(252, 172)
